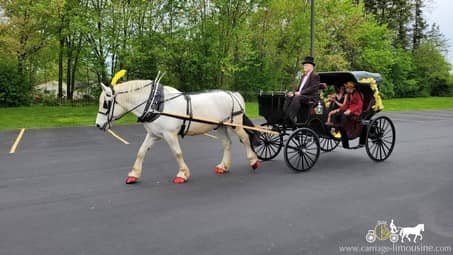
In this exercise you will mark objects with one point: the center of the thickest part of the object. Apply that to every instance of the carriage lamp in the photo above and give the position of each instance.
(319, 109)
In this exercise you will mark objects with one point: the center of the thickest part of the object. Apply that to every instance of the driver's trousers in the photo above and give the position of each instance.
(293, 105)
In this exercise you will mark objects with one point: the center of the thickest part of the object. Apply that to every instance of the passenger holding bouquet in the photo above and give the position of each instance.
(336, 101)
(352, 107)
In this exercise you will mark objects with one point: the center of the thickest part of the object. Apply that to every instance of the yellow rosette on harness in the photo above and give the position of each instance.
(118, 76)
(378, 105)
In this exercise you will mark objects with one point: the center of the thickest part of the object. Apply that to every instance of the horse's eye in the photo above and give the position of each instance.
(105, 106)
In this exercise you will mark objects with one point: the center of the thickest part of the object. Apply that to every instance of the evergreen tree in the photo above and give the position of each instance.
(419, 24)
(396, 14)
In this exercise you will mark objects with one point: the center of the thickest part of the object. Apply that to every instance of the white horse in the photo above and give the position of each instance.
(416, 231)
(216, 105)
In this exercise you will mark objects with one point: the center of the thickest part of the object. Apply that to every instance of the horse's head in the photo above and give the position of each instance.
(106, 112)
(422, 227)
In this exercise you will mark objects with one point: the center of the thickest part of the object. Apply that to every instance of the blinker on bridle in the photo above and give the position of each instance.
(109, 106)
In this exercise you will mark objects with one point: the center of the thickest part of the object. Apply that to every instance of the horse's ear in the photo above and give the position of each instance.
(107, 90)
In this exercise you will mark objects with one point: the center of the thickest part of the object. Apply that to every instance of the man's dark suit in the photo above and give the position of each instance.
(310, 91)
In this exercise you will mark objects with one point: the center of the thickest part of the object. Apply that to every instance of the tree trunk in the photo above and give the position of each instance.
(20, 64)
(74, 65)
(68, 76)
(60, 69)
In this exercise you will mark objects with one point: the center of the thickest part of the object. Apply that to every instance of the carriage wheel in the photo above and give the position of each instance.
(328, 144)
(380, 138)
(302, 150)
(370, 236)
(269, 146)
(394, 237)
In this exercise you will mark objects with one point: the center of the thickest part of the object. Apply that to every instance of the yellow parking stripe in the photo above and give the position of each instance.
(117, 136)
(16, 143)
(212, 136)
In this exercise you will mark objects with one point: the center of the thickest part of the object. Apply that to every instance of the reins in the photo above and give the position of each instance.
(148, 102)
(150, 112)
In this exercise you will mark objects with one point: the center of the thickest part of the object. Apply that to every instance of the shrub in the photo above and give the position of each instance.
(14, 90)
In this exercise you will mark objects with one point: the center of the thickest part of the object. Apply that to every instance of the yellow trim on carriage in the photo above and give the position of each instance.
(378, 105)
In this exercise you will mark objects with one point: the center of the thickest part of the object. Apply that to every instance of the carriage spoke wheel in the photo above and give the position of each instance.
(269, 145)
(380, 138)
(302, 150)
(328, 144)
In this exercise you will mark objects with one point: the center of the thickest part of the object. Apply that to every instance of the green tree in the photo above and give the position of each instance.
(397, 14)
(13, 90)
(26, 31)
(419, 24)
(431, 66)
(403, 74)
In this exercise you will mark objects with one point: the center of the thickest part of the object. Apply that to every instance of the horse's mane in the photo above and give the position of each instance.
(136, 85)
(206, 91)
(131, 85)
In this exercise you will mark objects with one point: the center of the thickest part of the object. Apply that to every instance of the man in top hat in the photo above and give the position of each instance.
(306, 90)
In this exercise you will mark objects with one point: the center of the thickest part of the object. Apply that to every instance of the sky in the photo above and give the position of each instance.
(440, 12)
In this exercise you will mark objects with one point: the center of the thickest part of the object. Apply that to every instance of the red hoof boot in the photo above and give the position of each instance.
(179, 180)
(131, 180)
(220, 170)
(256, 165)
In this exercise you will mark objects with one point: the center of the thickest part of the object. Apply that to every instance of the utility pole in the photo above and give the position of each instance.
(312, 28)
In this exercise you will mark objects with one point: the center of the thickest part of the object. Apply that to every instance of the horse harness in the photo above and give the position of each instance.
(110, 105)
(185, 127)
(183, 131)
(155, 106)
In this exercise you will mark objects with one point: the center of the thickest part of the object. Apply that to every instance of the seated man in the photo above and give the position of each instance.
(307, 89)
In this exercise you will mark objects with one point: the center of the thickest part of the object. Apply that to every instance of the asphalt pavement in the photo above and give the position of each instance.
(63, 192)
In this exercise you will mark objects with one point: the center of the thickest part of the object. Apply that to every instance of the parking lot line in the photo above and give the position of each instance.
(117, 136)
(212, 136)
(16, 143)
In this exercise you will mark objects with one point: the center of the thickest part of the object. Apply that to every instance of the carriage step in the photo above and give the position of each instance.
(356, 147)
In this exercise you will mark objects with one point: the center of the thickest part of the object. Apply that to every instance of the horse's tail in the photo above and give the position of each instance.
(240, 100)
(253, 135)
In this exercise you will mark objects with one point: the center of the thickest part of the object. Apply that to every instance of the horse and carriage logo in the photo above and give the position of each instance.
(383, 231)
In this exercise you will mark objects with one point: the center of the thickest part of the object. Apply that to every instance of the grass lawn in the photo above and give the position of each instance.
(418, 104)
(52, 116)
(67, 116)
(398, 104)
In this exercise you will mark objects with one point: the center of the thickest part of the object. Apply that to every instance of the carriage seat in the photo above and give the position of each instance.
(368, 104)
(308, 109)
(322, 86)
(367, 109)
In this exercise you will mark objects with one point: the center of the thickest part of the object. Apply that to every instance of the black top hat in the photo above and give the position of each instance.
(309, 60)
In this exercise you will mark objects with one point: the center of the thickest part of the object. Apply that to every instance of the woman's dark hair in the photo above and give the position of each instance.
(338, 88)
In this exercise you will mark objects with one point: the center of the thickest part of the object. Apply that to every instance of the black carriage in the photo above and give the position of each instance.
(303, 142)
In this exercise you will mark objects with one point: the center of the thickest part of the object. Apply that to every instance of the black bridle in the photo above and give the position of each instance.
(109, 105)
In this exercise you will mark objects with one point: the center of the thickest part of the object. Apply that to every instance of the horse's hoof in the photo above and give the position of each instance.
(220, 170)
(179, 180)
(256, 165)
(131, 180)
